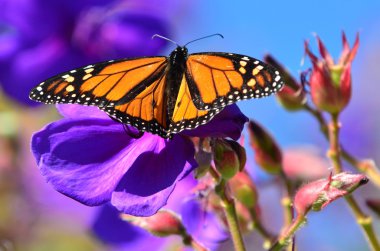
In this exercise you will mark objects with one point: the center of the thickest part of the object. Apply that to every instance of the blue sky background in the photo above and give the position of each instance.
(280, 27)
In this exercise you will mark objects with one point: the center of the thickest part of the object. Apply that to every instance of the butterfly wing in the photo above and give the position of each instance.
(217, 79)
(147, 111)
(185, 114)
(131, 91)
(104, 84)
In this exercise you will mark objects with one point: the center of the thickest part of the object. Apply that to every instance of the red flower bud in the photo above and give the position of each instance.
(374, 205)
(292, 96)
(318, 194)
(244, 190)
(330, 83)
(267, 153)
(226, 159)
(240, 151)
(163, 223)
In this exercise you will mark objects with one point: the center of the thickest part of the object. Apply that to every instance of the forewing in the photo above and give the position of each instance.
(217, 79)
(104, 84)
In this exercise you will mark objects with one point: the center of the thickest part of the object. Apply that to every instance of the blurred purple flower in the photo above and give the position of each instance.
(39, 39)
(92, 159)
(203, 226)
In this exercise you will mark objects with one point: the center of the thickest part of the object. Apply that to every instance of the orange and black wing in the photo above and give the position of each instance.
(217, 79)
(131, 91)
(185, 114)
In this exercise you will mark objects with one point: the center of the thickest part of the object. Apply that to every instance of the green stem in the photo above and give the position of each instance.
(231, 216)
(287, 202)
(268, 237)
(286, 238)
(334, 151)
(367, 167)
(364, 221)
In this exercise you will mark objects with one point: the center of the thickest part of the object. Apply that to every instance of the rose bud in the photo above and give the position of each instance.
(267, 153)
(163, 223)
(226, 159)
(330, 82)
(292, 96)
(374, 205)
(318, 194)
(244, 190)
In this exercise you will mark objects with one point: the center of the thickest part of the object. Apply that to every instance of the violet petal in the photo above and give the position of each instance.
(146, 186)
(228, 123)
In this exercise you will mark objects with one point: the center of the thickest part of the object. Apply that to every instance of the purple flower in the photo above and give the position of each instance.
(203, 226)
(39, 39)
(94, 160)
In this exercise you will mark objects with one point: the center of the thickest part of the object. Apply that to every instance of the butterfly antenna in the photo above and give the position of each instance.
(165, 38)
(216, 34)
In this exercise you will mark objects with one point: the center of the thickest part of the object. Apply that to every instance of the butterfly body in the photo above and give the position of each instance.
(163, 95)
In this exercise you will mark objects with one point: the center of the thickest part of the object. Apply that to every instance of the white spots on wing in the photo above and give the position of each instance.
(245, 58)
(243, 63)
(242, 70)
(70, 88)
(277, 78)
(87, 76)
(39, 88)
(251, 82)
(260, 67)
(70, 79)
(89, 70)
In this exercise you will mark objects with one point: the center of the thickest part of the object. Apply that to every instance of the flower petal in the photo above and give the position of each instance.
(146, 186)
(87, 159)
(324, 52)
(203, 225)
(228, 123)
(80, 111)
(84, 158)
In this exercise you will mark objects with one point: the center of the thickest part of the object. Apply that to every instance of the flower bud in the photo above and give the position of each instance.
(244, 190)
(292, 96)
(374, 205)
(226, 159)
(240, 151)
(267, 153)
(163, 223)
(318, 194)
(203, 159)
(330, 83)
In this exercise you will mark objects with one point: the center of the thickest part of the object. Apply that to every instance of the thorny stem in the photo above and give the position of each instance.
(365, 166)
(285, 238)
(231, 216)
(335, 155)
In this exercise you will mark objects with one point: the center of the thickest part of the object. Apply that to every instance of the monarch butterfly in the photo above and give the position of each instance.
(163, 95)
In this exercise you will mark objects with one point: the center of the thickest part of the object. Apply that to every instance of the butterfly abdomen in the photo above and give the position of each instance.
(176, 70)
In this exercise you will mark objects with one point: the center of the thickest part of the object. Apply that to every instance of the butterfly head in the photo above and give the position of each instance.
(179, 54)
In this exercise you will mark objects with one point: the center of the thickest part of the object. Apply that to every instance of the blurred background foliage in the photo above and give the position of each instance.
(40, 38)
